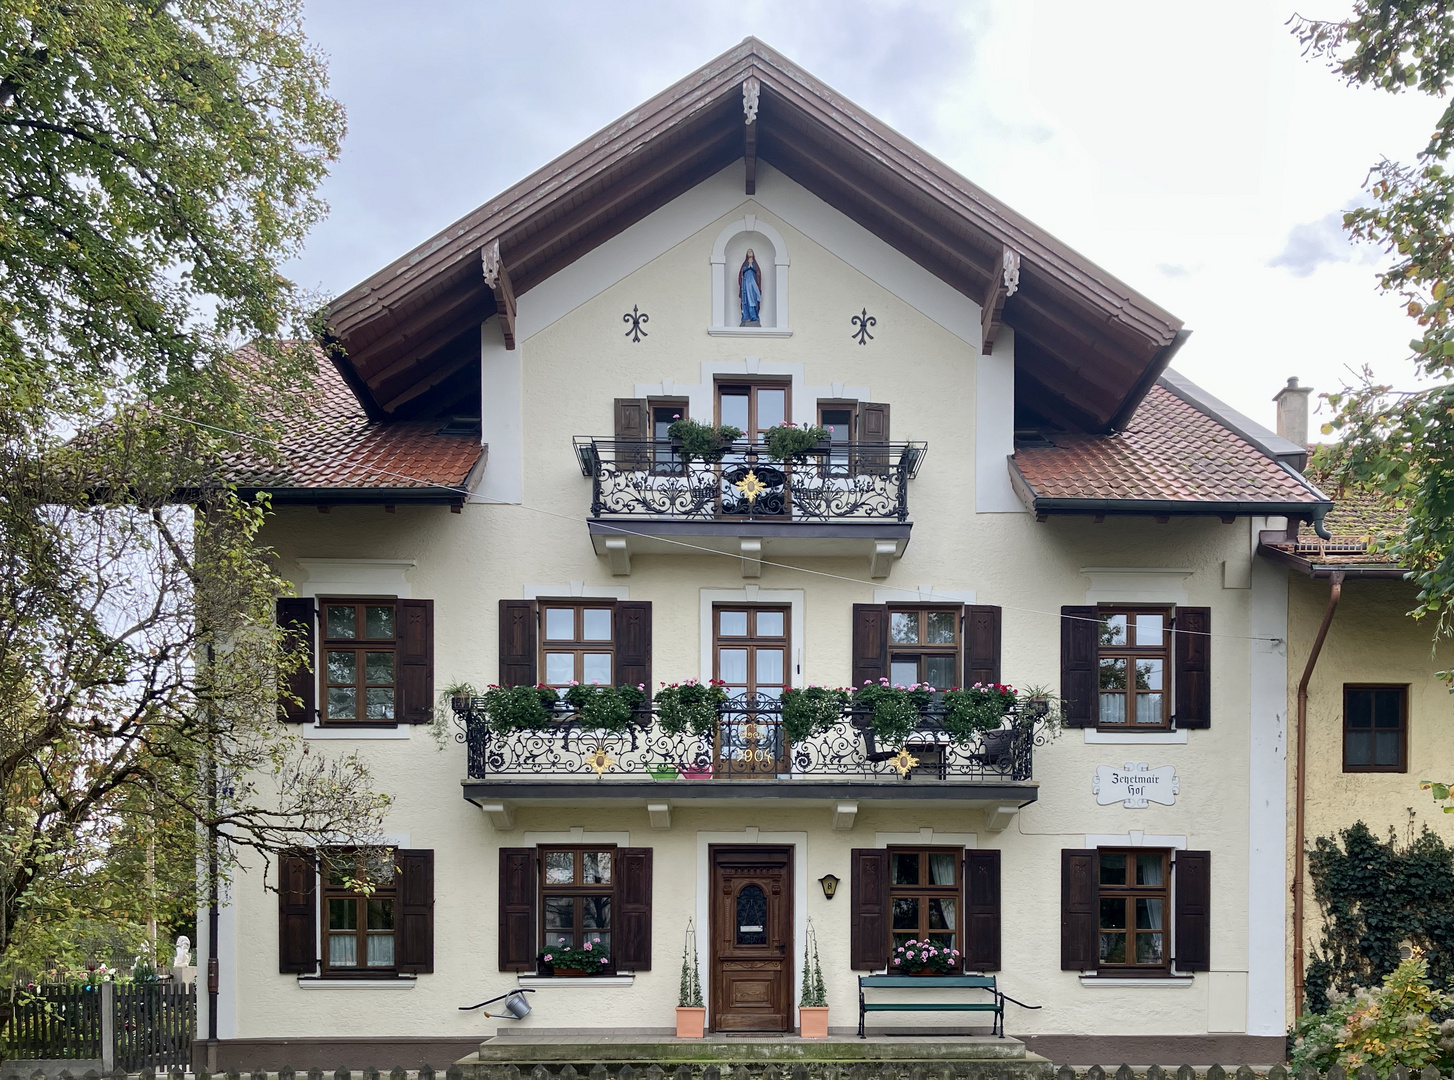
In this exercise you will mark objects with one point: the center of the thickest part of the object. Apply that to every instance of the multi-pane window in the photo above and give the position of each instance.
(1375, 728)
(924, 646)
(358, 911)
(577, 643)
(924, 892)
(358, 661)
(1135, 895)
(838, 419)
(663, 415)
(577, 891)
(1133, 666)
(752, 407)
(751, 657)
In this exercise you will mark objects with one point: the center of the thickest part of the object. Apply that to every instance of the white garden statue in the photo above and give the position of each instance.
(183, 957)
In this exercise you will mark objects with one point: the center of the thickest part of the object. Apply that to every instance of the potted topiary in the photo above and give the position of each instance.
(691, 1015)
(813, 1002)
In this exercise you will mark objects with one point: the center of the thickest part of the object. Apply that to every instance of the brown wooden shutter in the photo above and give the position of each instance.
(981, 644)
(633, 643)
(633, 425)
(868, 895)
(1192, 879)
(633, 904)
(517, 909)
(414, 662)
(296, 615)
(517, 643)
(873, 430)
(1079, 685)
(1193, 649)
(870, 643)
(414, 923)
(297, 915)
(982, 910)
(1079, 891)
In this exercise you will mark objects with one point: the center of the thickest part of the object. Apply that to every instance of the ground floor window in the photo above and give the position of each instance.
(578, 891)
(1135, 898)
(924, 890)
(1375, 728)
(358, 910)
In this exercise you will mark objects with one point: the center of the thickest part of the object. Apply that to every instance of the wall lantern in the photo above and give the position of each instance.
(830, 885)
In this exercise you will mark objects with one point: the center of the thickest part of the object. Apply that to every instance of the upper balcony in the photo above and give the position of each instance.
(841, 499)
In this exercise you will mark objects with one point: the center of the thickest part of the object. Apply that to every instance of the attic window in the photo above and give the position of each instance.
(461, 425)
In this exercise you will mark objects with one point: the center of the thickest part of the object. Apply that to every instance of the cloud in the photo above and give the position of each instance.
(1173, 270)
(1318, 243)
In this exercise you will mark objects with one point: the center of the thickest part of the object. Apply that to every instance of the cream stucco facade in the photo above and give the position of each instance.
(524, 535)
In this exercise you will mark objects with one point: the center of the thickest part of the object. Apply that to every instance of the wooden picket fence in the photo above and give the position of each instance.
(130, 1026)
(56, 1022)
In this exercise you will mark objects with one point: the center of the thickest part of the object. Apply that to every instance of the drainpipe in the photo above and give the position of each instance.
(1299, 806)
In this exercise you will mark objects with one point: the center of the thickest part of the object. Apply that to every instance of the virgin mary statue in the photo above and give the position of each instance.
(749, 287)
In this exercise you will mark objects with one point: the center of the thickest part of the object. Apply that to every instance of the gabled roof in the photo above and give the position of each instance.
(1170, 458)
(333, 449)
(1087, 345)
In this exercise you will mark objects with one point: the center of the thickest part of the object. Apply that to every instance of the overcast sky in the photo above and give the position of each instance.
(1185, 147)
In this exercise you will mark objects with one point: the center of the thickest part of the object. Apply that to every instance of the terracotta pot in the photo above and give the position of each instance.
(813, 1021)
(691, 1020)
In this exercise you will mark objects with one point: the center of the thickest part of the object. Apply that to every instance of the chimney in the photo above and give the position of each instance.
(1292, 412)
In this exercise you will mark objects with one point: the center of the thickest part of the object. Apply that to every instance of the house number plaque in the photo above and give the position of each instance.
(1136, 785)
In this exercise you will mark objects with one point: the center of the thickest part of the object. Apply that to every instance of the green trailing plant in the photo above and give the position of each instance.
(689, 992)
(519, 708)
(893, 712)
(971, 710)
(811, 711)
(1043, 707)
(814, 994)
(690, 706)
(606, 708)
(788, 442)
(1384, 1027)
(707, 442)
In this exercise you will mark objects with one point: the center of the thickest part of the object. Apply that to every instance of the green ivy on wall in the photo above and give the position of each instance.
(1378, 896)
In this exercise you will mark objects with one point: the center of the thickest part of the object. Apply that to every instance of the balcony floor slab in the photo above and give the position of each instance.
(525, 791)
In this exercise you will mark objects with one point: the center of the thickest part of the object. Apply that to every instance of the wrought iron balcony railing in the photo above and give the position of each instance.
(838, 482)
(748, 744)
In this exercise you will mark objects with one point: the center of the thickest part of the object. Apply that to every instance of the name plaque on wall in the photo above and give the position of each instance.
(1136, 785)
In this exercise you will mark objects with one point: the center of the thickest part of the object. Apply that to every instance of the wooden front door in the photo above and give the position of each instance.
(752, 939)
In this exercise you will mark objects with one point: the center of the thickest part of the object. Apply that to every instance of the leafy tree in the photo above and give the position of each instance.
(1401, 443)
(159, 160)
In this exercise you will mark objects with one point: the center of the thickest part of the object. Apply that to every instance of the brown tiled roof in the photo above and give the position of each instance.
(1169, 452)
(1358, 519)
(334, 445)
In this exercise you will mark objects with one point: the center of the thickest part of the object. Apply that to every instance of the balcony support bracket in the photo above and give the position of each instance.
(660, 814)
(751, 548)
(501, 815)
(998, 818)
(843, 815)
(882, 559)
(618, 556)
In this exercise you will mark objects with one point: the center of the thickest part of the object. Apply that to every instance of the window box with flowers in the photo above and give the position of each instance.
(915, 957)
(568, 962)
(792, 442)
(693, 439)
(607, 708)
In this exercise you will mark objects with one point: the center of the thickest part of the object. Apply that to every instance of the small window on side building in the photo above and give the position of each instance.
(1375, 728)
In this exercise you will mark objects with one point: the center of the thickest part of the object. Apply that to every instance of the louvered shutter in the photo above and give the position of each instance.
(1193, 674)
(633, 900)
(296, 615)
(981, 644)
(1192, 879)
(517, 643)
(868, 894)
(517, 909)
(1078, 894)
(1079, 648)
(873, 430)
(982, 910)
(633, 428)
(414, 662)
(414, 924)
(633, 643)
(870, 643)
(297, 915)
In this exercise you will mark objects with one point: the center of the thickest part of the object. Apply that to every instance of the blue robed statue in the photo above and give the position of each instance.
(749, 287)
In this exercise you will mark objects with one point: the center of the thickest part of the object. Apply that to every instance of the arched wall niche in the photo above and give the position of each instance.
(771, 253)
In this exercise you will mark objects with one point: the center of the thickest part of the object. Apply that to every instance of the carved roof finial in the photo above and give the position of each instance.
(490, 258)
(751, 88)
(1011, 260)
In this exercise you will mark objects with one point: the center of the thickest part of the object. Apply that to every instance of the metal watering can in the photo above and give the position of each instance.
(516, 1005)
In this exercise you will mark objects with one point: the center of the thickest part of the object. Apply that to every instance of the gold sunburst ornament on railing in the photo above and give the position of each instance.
(903, 761)
(600, 760)
(750, 486)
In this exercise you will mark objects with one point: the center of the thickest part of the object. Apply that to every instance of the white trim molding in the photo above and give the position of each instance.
(1134, 838)
(576, 590)
(923, 594)
(594, 982)
(926, 837)
(752, 594)
(356, 577)
(1136, 584)
(1172, 982)
(315, 982)
(1135, 738)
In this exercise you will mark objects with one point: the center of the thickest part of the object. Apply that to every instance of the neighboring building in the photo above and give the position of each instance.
(1017, 488)
(1377, 713)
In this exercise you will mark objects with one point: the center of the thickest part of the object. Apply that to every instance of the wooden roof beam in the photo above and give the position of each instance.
(498, 279)
(992, 309)
(751, 93)
(448, 305)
